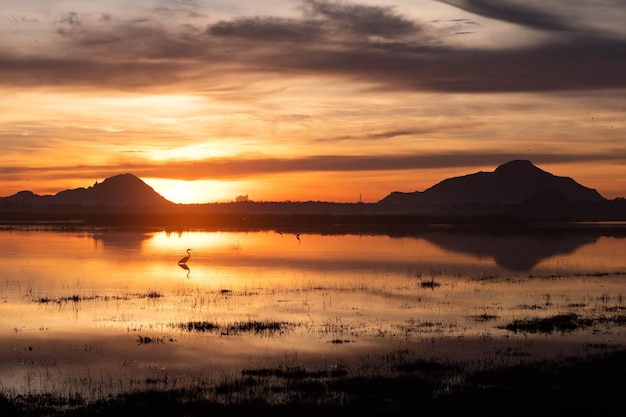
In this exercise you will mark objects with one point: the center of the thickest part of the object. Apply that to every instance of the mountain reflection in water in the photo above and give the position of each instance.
(516, 253)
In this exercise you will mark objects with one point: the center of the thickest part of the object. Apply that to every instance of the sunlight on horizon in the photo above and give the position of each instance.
(194, 192)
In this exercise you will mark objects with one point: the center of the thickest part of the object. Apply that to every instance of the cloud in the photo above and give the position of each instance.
(425, 128)
(360, 19)
(251, 167)
(246, 167)
(588, 18)
(70, 21)
(372, 44)
(266, 29)
(520, 13)
(321, 21)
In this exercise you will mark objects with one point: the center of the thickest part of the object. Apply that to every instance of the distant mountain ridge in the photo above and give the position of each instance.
(124, 190)
(511, 183)
(517, 189)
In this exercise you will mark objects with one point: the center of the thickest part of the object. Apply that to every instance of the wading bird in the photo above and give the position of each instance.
(185, 259)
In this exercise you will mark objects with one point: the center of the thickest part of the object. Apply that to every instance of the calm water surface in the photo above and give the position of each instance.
(98, 312)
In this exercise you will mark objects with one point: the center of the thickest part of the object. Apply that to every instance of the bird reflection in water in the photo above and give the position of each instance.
(185, 267)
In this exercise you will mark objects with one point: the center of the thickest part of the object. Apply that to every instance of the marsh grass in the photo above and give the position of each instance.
(146, 340)
(431, 284)
(568, 322)
(420, 327)
(67, 299)
(484, 317)
(295, 373)
(75, 298)
(153, 294)
(266, 327)
(399, 384)
(196, 326)
(257, 327)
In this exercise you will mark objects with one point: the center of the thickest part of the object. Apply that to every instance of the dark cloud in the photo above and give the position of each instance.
(246, 167)
(389, 134)
(264, 30)
(553, 67)
(360, 19)
(115, 40)
(242, 167)
(520, 13)
(322, 21)
(70, 21)
(357, 42)
(77, 73)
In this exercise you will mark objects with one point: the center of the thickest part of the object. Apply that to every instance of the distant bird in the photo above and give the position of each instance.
(185, 259)
(298, 237)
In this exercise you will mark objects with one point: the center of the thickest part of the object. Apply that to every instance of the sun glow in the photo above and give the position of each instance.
(194, 192)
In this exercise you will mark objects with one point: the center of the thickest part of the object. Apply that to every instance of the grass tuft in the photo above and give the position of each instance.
(560, 322)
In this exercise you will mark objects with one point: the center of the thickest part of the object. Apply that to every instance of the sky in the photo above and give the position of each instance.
(207, 100)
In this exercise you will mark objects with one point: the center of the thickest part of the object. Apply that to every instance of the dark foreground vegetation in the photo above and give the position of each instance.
(593, 385)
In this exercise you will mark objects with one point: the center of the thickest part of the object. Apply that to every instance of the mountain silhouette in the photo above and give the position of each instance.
(124, 190)
(511, 183)
(516, 192)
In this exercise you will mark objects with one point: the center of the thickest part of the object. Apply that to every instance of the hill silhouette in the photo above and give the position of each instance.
(511, 183)
(123, 191)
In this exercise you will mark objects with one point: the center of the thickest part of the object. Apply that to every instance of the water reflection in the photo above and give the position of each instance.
(186, 268)
(516, 253)
(125, 312)
(124, 239)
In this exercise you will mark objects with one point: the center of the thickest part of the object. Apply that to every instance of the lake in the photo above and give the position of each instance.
(97, 312)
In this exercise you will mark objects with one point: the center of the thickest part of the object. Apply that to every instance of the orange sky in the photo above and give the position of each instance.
(308, 99)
